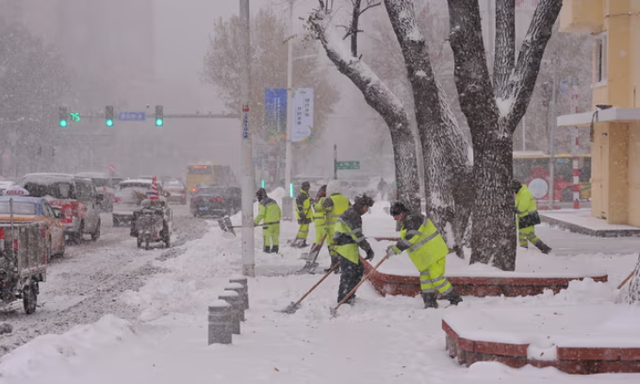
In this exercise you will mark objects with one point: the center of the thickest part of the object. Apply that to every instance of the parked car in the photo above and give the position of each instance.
(76, 197)
(215, 200)
(4, 184)
(177, 191)
(105, 188)
(28, 209)
(127, 199)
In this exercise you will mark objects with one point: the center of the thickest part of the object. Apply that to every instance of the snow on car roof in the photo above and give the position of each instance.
(51, 177)
(26, 199)
(93, 175)
(137, 181)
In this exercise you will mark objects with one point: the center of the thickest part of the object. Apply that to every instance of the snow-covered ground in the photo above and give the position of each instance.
(379, 340)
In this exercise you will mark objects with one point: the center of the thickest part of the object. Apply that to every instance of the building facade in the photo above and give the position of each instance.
(615, 117)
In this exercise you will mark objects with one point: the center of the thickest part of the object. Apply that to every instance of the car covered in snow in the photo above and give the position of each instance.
(127, 199)
(27, 209)
(74, 196)
(215, 200)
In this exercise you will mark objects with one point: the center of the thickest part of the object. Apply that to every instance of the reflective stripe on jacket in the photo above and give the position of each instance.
(422, 241)
(269, 211)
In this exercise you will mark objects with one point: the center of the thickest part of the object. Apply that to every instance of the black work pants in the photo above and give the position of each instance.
(350, 276)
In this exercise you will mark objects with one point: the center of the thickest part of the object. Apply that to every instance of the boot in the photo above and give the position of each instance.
(303, 243)
(454, 298)
(266, 249)
(429, 300)
(275, 249)
(544, 248)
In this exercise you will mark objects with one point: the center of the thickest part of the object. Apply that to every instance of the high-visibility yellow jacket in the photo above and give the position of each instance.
(319, 218)
(348, 236)
(422, 241)
(335, 205)
(269, 211)
(525, 203)
(303, 207)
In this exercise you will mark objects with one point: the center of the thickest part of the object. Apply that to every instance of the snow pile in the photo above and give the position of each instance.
(49, 351)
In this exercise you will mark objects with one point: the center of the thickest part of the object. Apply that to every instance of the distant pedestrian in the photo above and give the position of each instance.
(383, 189)
(527, 217)
(270, 212)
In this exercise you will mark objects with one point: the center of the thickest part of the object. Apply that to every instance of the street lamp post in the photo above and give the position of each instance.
(248, 181)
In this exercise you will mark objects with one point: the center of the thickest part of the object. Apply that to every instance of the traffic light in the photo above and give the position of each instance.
(159, 116)
(64, 117)
(108, 115)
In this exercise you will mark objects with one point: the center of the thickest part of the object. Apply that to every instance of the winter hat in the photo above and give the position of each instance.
(333, 187)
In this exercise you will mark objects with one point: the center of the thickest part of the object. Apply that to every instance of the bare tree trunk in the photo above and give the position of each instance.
(382, 100)
(445, 149)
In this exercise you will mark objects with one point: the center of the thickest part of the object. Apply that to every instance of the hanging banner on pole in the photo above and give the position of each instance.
(302, 111)
(275, 110)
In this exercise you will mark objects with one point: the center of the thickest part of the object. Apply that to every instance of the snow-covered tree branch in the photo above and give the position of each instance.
(523, 79)
(378, 96)
(505, 50)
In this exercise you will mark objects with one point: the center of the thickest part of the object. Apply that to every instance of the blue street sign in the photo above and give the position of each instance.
(132, 116)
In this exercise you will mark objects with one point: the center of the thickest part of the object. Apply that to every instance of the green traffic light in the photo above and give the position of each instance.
(109, 123)
(159, 122)
(63, 123)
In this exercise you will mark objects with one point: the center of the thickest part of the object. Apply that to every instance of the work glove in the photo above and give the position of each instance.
(392, 250)
(369, 254)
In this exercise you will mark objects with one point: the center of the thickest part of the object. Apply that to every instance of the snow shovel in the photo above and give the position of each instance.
(293, 307)
(311, 258)
(334, 311)
(226, 226)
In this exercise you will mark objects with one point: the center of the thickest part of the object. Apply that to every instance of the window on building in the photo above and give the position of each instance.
(601, 58)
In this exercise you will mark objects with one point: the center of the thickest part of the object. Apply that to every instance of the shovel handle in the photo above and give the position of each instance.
(627, 279)
(318, 283)
(359, 284)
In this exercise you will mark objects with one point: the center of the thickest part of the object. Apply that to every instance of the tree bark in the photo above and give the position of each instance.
(382, 100)
(494, 115)
(445, 149)
(505, 47)
(493, 232)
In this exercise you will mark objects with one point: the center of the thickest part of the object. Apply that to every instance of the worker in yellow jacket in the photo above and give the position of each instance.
(527, 217)
(270, 212)
(427, 250)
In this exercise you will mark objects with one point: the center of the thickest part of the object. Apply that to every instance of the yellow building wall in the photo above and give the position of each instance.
(583, 16)
(618, 178)
(634, 174)
(618, 30)
(599, 151)
(634, 56)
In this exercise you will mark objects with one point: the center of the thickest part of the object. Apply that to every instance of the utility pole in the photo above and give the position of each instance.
(248, 181)
(552, 129)
(288, 159)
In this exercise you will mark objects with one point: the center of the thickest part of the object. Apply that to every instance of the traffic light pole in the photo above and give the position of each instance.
(248, 181)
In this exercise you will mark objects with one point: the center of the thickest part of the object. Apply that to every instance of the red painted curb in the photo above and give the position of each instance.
(581, 361)
(387, 284)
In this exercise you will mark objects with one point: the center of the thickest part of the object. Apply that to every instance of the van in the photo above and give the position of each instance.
(75, 197)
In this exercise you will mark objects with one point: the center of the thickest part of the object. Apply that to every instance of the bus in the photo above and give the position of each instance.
(532, 168)
(208, 173)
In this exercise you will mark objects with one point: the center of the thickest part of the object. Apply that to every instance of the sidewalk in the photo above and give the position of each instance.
(581, 221)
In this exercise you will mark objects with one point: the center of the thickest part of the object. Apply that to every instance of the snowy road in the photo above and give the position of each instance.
(83, 286)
